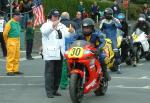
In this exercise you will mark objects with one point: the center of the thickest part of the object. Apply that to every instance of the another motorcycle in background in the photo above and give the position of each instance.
(126, 51)
(141, 48)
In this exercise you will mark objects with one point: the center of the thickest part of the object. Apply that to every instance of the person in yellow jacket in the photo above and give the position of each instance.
(11, 36)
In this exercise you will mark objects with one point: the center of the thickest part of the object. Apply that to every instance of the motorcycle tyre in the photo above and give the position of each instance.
(114, 68)
(128, 61)
(75, 79)
(102, 89)
(147, 57)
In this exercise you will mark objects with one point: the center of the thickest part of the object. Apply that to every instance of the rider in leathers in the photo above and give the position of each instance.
(142, 24)
(109, 26)
(95, 37)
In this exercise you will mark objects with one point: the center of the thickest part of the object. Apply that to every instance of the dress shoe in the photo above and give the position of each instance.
(30, 58)
(18, 73)
(10, 73)
(50, 96)
(57, 94)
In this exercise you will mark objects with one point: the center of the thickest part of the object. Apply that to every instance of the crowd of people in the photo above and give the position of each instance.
(59, 32)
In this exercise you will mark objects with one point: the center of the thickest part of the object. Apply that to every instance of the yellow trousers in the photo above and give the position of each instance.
(13, 55)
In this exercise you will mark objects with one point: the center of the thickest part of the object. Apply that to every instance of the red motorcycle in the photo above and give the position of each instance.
(85, 71)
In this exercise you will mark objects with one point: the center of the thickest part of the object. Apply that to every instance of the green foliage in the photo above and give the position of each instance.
(134, 11)
(71, 6)
(140, 1)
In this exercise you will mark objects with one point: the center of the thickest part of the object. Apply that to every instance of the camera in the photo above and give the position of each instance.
(59, 36)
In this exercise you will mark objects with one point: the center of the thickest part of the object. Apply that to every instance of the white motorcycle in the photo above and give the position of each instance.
(141, 46)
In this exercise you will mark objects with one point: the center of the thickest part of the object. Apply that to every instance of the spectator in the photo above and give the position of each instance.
(78, 19)
(53, 42)
(85, 14)
(3, 46)
(65, 19)
(145, 9)
(95, 11)
(12, 39)
(80, 7)
(148, 15)
(29, 40)
(5, 8)
(15, 6)
(116, 9)
(21, 7)
(26, 14)
(30, 9)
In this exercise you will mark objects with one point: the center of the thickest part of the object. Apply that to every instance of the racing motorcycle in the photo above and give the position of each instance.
(127, 51)
(140, 46)
(85, 71)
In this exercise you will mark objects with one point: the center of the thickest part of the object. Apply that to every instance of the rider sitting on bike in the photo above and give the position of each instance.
(126, 42)
(109, 26)
(143, 25)
(90, 34)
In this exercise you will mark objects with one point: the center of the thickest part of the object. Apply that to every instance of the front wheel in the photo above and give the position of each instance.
(102, 89)
(75, 88)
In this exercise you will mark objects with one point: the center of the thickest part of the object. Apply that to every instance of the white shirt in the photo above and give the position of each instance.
(52, 46)
(2, 22)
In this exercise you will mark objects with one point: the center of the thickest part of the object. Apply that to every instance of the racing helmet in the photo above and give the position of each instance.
(141, 17)
(88, 23)
(108, 13)
(53, 12)
(121, 16)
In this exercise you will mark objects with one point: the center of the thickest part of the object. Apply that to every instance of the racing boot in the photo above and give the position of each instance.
(105, 72)
(118, 70)
(134, 62)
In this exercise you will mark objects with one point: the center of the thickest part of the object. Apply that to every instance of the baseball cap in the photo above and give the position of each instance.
(17, 13)
(55, 13)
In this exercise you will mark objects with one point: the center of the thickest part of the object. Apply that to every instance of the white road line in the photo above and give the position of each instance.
(23, 59)
(40, 76)
(117, 86)
(141, 64)
(36, 57)
(126, 87)
(21, 76)
(136, 78)
(17, 84)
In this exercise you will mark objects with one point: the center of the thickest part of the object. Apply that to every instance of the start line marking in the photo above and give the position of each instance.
(40, 76)
(23, 59)
(117, 86)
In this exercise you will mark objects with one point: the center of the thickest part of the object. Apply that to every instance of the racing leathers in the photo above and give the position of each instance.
(97, 39)
(109, 27)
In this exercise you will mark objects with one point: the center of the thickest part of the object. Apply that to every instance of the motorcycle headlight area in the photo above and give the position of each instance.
(86, 52)
(66, 52)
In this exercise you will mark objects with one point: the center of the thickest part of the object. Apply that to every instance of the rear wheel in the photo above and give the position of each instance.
(139, 52)
(147, 57)
(102, 89)
(75, 88)
(128, 60)
(115, 67)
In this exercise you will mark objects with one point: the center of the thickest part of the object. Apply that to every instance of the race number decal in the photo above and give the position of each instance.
(135, 37)
(75, 52)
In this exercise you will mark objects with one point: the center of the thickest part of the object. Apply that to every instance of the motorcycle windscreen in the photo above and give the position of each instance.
(138, 31)
(80, 43)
